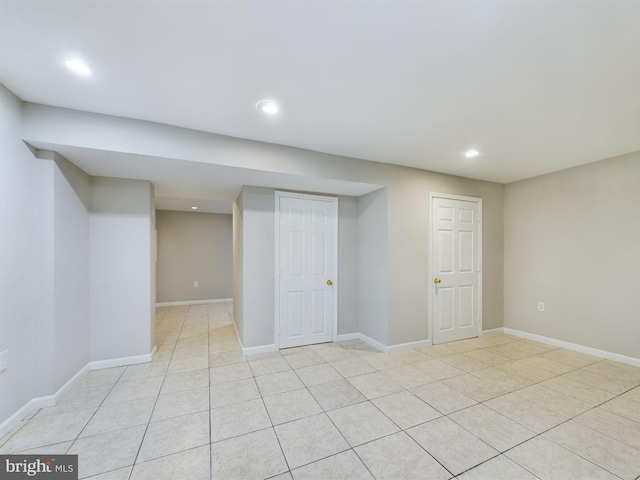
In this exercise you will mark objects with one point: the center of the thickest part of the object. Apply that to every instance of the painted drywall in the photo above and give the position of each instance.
(26, 256)
(373, 266)
(572, 241)
(407, 198)
(347, 265)
(238, 267)
(120, 229)
(153, 263)
(72, 196)
(194, 246)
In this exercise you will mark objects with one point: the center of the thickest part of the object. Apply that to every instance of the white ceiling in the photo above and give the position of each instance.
(536, 85)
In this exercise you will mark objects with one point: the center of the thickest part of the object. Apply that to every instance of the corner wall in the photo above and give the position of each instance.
(572, 240)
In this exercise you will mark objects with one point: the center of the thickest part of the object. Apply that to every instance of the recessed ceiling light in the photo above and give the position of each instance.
(269, 107)
(78, 66)
(471, 153)
(194, 208)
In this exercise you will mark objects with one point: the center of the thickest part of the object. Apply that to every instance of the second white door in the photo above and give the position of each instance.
(456, 240)
(307, 268)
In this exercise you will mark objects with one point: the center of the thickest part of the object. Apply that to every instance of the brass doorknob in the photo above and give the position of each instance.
(329, 282)
(437, 281)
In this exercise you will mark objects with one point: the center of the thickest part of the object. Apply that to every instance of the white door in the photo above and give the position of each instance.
(306, 246)
(456, 258)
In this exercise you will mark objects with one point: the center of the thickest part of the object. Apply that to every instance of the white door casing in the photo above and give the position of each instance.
(455, 283)
(306, 269)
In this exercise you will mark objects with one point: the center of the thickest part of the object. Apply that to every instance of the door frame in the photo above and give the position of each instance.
(431, 290)
(304, 196)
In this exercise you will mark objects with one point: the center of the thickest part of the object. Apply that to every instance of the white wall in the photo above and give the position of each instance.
(238, 266)
(121, 312)
(347, 265)
(26, 252)
(572, 240)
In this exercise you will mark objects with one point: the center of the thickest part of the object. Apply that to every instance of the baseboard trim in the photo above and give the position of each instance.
(492, 331)
(616, 357)
(400, 347)
(343, 337)
(122, 361)
(194, 302)
(246, 351)
(374, 343)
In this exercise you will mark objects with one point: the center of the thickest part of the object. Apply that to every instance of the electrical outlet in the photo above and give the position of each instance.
(541, 306)
(4, 360)
(195, 284)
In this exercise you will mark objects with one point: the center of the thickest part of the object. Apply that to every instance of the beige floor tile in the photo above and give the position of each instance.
(337, 394)
(181, 403)
(268, 365)
(382, 361)
(505, 380)
(255, 455)
(361, 423)
(134, 389)
(145, 370)
(405, 409)
(465, 363)
(547, 364)
(586, 393)
(289, 406)
(238, 419)
(192, 464)
(54, 449)
(553, 400)
(173, 435)
(474, 387)
(526, 371)
(438, 370)
(185, 381)
(184, 351)
(617, 370)
(443, 398)
(228, 373)
(450, 444)
(318, 374)
(224, 347)
(295, 350)
(306, 358)
(309, 439)
(352, 367)
(114, 416)
(332, 353)
(633, 394)
(549, 461)
(611, 384)
(282, 476)
(624, 406)
(411, 356)
(491, 427)
(408, 376)
(373, 385)
(448, 349)
(345, 465)
(48, 430)
(103, 376)
(575, 359)
(487, 356)
(531, 415)
(498, 468)
(226, 358)
(78, 398)
(399, 457)
(107, 451)
(618, 427)
(185, 364)
(603, 450)
(228, 393)
(280, 382)
(120, 474)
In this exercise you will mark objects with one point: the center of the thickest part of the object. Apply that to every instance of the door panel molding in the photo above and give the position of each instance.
(316, 268)
(446, 215)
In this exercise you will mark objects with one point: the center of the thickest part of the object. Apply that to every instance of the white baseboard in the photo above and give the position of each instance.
(492, 331)
(574, 346)
(51, 400)
(399, 347)
(373, 343)
(346, 336)
(259, 349)
(194, 302)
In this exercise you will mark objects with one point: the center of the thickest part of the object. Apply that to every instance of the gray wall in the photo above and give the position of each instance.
(572, 240)
(120, 286)
(194, 246)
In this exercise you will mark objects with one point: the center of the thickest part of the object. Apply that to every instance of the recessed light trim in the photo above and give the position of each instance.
(472, 153)
(78, 66)
(269, 107)
(194, 208)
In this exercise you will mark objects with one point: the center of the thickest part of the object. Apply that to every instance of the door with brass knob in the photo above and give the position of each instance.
(437, 281)
(329, 282)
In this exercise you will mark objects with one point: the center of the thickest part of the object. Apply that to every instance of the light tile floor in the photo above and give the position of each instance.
(496, 407)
